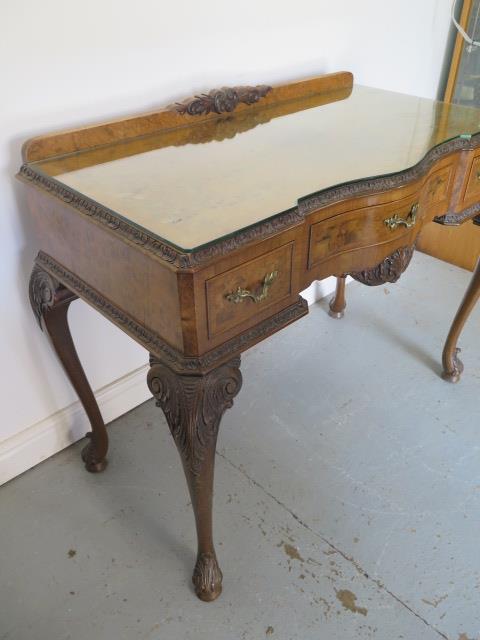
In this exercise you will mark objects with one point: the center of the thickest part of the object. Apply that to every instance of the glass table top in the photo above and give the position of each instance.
(189, 187)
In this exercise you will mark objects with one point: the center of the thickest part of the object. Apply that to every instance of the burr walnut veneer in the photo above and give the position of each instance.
(195, 228)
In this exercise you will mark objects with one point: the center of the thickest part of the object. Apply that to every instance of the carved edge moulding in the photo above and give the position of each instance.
(456, 219)
(153, 342)
(264, 229)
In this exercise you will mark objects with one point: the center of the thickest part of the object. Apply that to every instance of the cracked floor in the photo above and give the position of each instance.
(347, 499)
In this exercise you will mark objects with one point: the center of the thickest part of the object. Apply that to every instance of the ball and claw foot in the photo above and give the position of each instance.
(90, 457)
(207, 577)
(453, 375)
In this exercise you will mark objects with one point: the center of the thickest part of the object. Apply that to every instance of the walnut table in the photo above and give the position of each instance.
(194, 229)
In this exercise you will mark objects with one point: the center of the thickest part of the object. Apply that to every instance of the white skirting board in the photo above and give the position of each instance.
(43, 439)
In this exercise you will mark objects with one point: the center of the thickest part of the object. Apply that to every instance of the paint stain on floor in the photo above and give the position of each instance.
(348, 599)
(292, 552)
(436, 602)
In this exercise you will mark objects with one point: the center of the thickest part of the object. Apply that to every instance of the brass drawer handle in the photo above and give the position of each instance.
(242, 294)
(409, 221)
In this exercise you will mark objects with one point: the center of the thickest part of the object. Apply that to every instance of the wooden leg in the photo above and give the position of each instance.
(452, 365)
(50, 301)
(338, 302)
(193, 406)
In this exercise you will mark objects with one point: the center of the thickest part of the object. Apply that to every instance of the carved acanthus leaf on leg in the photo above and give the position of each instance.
(45, 292)
(50, 301)
(193, 406)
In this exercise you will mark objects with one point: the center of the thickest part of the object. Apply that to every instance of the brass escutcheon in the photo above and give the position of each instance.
(242, 294)
(409, 222)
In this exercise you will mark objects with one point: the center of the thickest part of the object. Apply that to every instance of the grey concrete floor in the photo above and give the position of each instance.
(347, 499)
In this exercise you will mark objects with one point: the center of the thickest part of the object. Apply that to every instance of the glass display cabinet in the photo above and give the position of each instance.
(463, 85)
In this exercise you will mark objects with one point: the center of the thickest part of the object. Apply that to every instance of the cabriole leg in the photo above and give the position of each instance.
(338, 302)
(193, 406)
(50, 301)
(452, 365)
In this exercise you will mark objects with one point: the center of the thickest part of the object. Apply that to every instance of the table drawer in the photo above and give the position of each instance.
(472, 192)
(438, 186)
(240, 293)
(362, 228)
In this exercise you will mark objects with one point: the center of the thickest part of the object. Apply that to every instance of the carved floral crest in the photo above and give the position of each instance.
(222, 100)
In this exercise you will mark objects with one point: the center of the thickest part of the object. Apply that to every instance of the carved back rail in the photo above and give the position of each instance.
(199, 108)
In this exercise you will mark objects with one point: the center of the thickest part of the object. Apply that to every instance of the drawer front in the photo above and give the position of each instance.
(437, 189)
(362, 228)
(472, 193)
(246, 290)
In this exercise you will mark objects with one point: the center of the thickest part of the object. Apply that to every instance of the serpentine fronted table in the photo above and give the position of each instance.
(195, 228)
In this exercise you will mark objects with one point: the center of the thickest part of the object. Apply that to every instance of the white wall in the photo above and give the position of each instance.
(68, 63)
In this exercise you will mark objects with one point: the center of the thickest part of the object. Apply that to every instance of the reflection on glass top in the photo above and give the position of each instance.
(191, 192)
